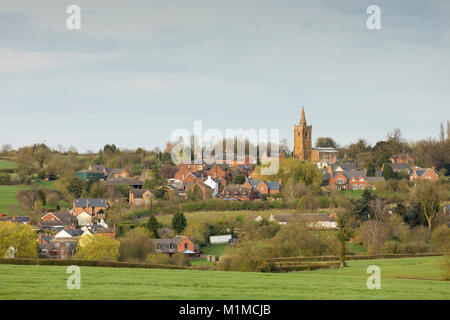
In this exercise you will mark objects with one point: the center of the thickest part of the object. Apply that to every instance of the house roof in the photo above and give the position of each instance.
(63, 217)
(73, 232)
(116, 181)
(90, 203)
(352, 173)
(344, 166)
(139, 193)
(99, 167)
(399, 166)
(164, 244)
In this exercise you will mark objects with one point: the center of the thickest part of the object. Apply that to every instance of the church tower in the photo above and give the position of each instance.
(303, 139)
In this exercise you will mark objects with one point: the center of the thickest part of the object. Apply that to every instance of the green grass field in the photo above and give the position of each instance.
(49, 282)
(8, 194)
(6, 164)
(8, 197)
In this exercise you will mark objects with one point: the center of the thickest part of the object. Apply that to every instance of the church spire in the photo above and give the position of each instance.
(303, 117)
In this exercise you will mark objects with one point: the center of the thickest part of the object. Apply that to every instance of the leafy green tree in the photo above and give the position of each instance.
(20, 237)
(371, 170)
(239, 179)
(153, 226)
(388, 173)
(98, 247)
(179, 222)
(75, 187)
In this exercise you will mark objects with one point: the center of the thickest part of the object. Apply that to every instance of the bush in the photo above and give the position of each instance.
(180, 259)
(5, 179)
(136, 245)
(440, 239)
(157, 258)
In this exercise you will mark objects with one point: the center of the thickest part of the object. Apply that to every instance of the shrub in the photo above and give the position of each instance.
(157, 258)
(136, 245)
(180, 259)
(440, 239)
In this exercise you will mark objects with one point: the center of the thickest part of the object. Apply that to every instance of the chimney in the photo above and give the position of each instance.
(433, 168)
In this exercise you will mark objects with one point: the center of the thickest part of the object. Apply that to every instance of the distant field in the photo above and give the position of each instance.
(8, 194)
(49, 282)
(6, 164)
(8, 197)
(214, 216)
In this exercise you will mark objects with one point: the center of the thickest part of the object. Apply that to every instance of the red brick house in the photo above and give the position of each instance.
(263, 187)
(95, 207)
(237, 192)
(424, 173)
(178, 244)
(347, 180)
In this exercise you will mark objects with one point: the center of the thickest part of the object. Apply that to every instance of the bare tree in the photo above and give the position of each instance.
(379, 209)
(429, 196)
(6, 148)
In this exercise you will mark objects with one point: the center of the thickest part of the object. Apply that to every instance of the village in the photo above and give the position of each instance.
(307, 188)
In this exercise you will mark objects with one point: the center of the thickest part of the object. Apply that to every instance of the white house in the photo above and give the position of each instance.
(70, 233)
(84, 219)
(220, 239)
(214, 185)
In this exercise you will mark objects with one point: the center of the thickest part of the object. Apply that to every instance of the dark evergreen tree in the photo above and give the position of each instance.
(179, 222)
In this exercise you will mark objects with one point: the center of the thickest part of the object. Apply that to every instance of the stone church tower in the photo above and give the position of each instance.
(303, 139)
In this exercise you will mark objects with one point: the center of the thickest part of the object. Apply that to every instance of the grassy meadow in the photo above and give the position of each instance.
(408, 278)
(8, 198)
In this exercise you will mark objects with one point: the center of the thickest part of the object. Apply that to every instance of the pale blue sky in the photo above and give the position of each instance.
(140, 69)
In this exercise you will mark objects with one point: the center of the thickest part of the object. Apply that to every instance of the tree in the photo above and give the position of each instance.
(388, 173)
(98, 190)
(98, 247)
(167, 171)
(370, 170)
(42, 198)
(6, 148)
(136, 244)
(428, 196)
(239, 179)
(19, 237)
(373, 234)
(153, 226)
(379, 209)
(179, 222)
(28, 198)
(75, 187)
(325, 142)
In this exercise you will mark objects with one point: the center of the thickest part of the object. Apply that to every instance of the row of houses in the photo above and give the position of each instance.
(346, 176)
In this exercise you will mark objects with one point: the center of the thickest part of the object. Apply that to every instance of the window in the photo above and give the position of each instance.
(57, 245)
(340, 181)
(185, 245)
(158, 247)
(361, 187)
(354, 187)
(171, 246)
